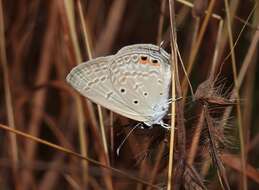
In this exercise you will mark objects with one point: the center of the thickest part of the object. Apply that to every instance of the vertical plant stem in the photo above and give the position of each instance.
(172, 129)
(198, 44)
(111, 137)
(197, 22)
(195, 139)
(39, 98)
(90, 54)
(216, 51)
(69, 8)
(158, 159)
(161, 22)
(198, 129)
(89, 51)
(239, 115)
(243, 71)
(7, 90)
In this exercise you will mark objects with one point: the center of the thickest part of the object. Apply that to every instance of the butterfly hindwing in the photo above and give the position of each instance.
(141, 74)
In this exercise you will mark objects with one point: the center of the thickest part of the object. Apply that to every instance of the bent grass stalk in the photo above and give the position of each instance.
(71, 153)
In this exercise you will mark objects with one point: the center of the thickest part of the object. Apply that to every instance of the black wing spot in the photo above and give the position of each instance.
(143, 58)
(136, 102)
(122, 90)
(154, 61)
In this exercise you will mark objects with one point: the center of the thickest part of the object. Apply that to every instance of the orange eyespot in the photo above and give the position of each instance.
(144, 60)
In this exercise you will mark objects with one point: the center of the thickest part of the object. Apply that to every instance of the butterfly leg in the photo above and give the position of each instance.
(164, 125)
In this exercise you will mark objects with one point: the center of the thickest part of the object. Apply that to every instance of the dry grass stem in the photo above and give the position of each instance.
(197, 145)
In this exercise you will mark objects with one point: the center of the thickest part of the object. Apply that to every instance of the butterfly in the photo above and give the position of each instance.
(134, 82)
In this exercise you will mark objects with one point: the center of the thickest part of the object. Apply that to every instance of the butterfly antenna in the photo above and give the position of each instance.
(122, 143)
(185, 73)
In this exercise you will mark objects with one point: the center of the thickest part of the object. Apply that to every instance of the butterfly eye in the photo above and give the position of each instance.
(143, 58)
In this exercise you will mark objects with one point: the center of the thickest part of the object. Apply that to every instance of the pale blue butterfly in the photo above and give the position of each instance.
(134, 82)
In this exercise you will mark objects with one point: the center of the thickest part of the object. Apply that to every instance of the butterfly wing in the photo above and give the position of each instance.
(92, 79)
(141, 75)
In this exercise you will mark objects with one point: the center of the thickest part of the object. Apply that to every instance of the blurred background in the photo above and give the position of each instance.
(42, 40)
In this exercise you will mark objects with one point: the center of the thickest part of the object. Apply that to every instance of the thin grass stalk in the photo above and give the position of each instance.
(194, 40)
(234, 162)
(50, 177)
(239, 114)
(89, 51)
(77, 155)
(198, 128)
(221, 172)
(190, 4)
(105, 145)
(170, 180)
(142, 172)
(86, 30)
(69, 8)
(205, 167)
(224, 40)
(111, 137)
(243, 71)
(73, 183)
(111, 28)
(87, 40)
(198, 44)
(241, 32)
(246, 63)
(195, 139)
(216, 51)
(156, 166)
(161, 22)
(62, 138)
(8, 95)
(159, 41)
(249, 90)
(39, 98)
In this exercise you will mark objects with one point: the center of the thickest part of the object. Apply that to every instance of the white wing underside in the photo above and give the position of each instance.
(92, 80)
(123, 84)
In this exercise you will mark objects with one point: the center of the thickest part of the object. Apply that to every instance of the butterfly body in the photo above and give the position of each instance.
(134, 82)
